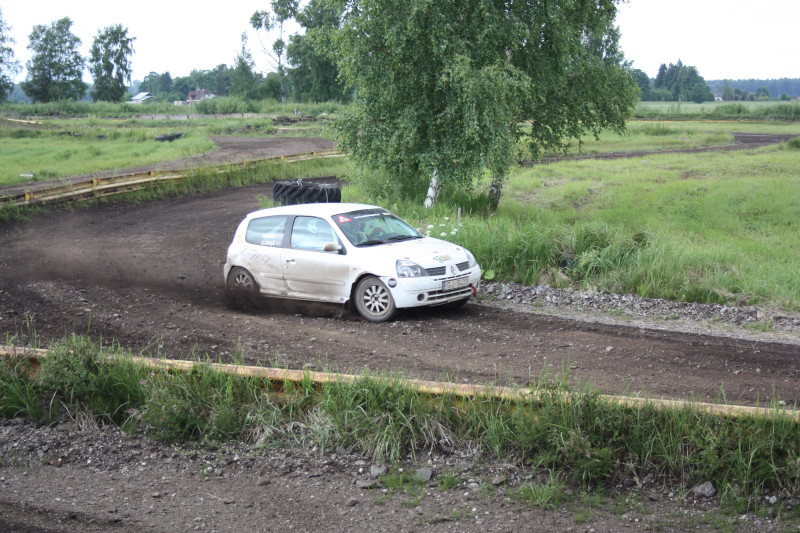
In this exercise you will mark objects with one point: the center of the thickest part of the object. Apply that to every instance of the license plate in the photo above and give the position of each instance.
(454, 284)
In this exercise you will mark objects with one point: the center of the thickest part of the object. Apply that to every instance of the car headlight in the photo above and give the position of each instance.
(470, 259)
(409, 269)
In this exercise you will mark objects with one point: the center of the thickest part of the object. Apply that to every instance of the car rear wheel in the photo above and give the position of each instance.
(241, 289)
(373, 300)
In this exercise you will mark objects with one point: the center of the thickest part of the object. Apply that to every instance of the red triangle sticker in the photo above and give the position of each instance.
(343, 219)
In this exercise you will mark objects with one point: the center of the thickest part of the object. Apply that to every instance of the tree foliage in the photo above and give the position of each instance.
(727, 91)
(274, 19)
(762, 93)
(644, 83)
(55, 70)
(217, 80)
(159, 85)
(684, 83)
(446, 89)
(163, 87)
(244, 82)
(8, 65)
(313, 75)
(109, 63)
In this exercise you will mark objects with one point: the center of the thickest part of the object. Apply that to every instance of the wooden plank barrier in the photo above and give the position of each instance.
(280, 376)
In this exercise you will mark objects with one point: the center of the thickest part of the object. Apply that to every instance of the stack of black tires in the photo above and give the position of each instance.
(297, 192)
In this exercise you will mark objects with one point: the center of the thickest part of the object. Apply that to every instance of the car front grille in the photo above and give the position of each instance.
(435, 296)
(441, 271)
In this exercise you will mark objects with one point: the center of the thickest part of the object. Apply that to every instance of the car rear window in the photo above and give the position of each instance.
(267, 231)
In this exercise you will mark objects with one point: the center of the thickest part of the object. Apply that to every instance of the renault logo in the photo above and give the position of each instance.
(453, 270)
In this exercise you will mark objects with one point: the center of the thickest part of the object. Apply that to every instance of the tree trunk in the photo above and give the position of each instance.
(495, 190)
(433, 191)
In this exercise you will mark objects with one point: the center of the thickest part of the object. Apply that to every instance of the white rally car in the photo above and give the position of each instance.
(357, 253)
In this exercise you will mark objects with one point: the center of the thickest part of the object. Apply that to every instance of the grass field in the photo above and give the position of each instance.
(650, 135)
(56, 148)
(714, 227)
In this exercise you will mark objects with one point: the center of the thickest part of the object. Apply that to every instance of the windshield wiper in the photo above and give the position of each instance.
(371, 242)
(403, 237)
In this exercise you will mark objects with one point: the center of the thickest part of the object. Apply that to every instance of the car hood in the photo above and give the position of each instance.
(427, 252)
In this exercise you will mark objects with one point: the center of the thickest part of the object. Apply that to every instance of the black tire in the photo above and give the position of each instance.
(241, 290)
(292, 193)
(315, 195)
(322, 194)
(279, 192)
(373, 301)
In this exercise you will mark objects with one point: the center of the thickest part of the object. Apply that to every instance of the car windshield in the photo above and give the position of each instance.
(368, 227)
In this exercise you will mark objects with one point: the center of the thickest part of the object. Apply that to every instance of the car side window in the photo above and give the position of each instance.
(267, 231)
(311, 233)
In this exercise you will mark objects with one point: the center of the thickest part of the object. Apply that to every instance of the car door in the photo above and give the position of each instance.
(261, 254)
(310, 272)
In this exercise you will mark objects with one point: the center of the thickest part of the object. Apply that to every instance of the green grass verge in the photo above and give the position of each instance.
(571, 437)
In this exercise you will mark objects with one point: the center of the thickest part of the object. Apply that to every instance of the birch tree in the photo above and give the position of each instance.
(447, 88)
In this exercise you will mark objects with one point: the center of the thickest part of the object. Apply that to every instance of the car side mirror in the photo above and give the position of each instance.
(331, 247)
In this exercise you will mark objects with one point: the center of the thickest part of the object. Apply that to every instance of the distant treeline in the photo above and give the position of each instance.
(683, 83)
(299, 85)
(776, 88)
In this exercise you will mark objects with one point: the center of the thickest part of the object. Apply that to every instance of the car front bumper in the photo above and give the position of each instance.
(433, 290)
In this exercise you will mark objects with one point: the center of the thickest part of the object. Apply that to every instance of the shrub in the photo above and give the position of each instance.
(77, 374)
(20, 394)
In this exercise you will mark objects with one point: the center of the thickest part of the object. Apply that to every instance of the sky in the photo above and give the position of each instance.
(174, 37)
(730, 39)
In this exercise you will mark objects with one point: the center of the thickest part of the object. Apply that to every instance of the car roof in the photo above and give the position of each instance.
(319, 210)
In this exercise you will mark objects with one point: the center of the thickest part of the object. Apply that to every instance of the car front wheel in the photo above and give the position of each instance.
(373, 300)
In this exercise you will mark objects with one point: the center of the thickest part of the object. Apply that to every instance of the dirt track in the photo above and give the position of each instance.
(150, 277)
